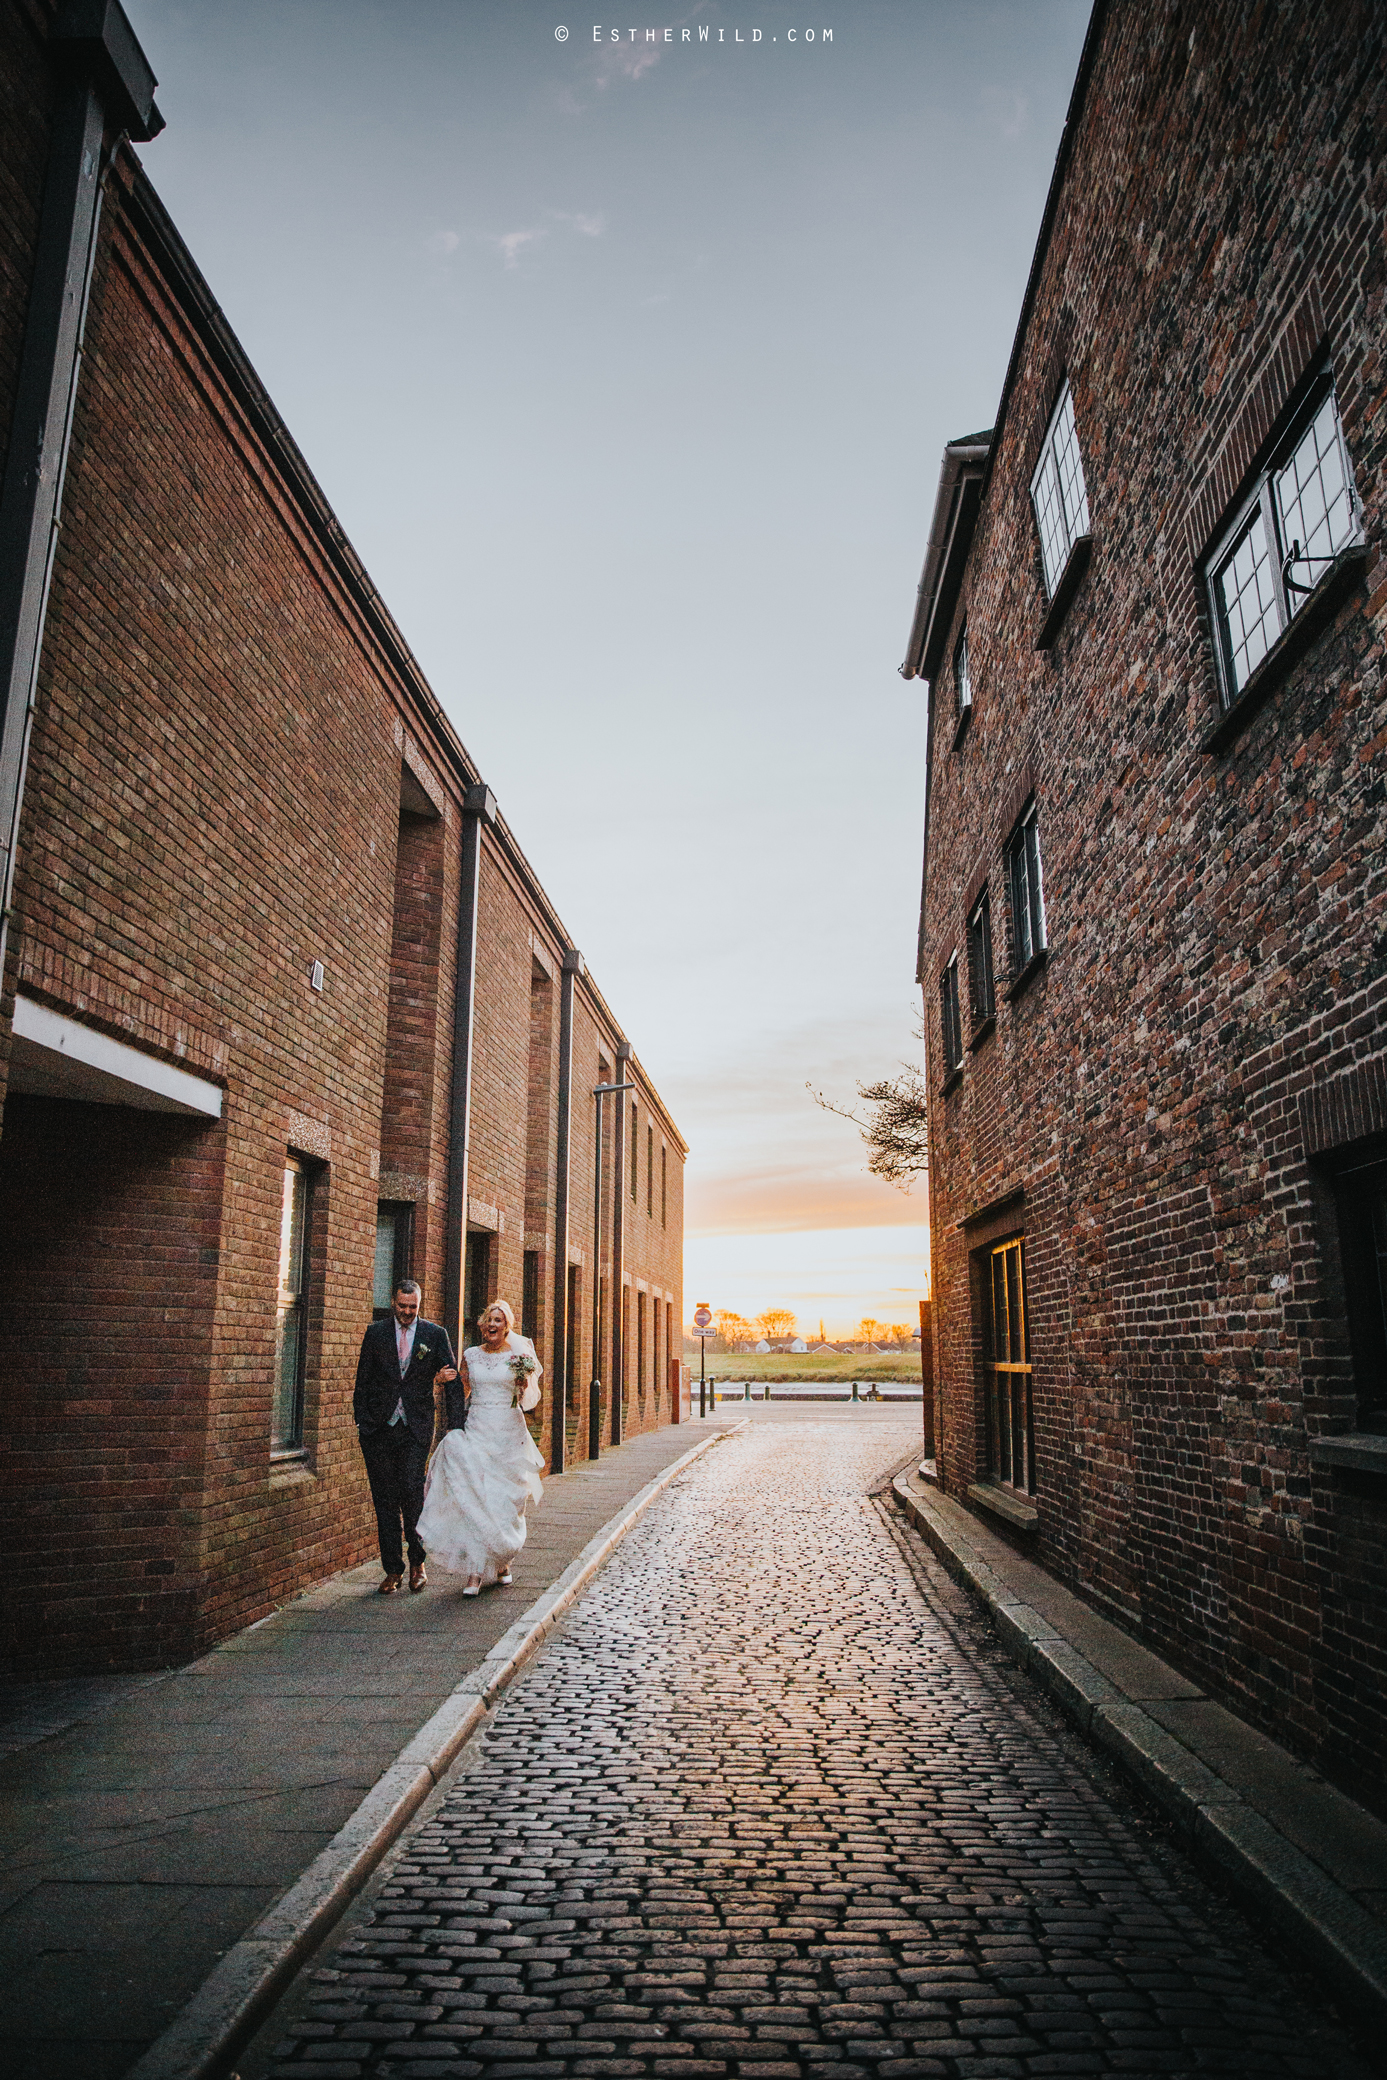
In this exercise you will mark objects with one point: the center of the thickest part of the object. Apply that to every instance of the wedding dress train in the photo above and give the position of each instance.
(480, 1477)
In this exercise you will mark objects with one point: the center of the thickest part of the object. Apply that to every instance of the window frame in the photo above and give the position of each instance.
(1262, 500)
(400, 1213)
(982, 978)
(1078, 525)
(951, 1017)
(293, 1302)
(1004, 1443)
(963, 676)
(1023, 849)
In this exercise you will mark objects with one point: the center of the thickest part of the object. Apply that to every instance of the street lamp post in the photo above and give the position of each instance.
(600, 1091)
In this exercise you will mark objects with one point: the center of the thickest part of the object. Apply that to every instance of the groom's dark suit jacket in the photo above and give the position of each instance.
(379, 1386)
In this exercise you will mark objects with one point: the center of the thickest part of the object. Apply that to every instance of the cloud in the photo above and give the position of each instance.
(586, 226)
(443, 242)
(510, 244)
(1006, 110)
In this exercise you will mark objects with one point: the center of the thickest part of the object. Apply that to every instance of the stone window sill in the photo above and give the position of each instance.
(1022, 982)
(952, 1081)
(983, 1030)
(1343, 577)
(1001, 1502)
(1075, 564)
(1354, 1451)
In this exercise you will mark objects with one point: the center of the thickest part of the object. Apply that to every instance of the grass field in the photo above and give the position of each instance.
(776, 1365)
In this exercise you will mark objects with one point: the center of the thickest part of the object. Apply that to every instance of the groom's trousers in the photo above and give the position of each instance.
(395, 1466)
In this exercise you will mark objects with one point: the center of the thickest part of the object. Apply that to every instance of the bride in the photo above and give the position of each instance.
(473, 1519)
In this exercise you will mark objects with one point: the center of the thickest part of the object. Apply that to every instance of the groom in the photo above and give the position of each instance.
(402, 1357)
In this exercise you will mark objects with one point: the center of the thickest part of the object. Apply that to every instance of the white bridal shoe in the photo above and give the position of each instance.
(503, 1580)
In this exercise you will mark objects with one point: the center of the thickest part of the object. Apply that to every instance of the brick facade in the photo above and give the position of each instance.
(236, 772)
(1165, 1096)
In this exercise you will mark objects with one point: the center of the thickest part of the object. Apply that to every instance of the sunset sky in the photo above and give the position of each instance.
(627, 368)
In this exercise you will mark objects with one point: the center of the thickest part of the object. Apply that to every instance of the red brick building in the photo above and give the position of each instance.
(285, 1011)
(1155, 900)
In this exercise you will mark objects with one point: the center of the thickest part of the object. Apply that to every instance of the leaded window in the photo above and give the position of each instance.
(1058, 492)
(1283, 539)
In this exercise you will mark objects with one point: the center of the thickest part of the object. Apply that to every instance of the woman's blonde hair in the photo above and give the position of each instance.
(507, 1310)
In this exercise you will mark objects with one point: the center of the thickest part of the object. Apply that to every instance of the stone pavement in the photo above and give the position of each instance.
(149, 1821)
(772, 1802)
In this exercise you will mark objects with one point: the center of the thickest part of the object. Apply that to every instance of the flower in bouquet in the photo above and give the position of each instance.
(522, 1364)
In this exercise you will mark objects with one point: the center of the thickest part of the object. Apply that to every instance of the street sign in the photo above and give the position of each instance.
(703, 1318)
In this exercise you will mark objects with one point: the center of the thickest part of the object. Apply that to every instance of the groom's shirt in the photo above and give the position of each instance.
(404, 1350)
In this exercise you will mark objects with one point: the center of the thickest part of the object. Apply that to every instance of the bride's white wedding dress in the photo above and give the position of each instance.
(480, 1477)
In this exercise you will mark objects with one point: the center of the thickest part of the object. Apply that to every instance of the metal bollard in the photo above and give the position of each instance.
(855, 1395)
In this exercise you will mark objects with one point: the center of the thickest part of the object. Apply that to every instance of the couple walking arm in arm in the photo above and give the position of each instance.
(468, 1506)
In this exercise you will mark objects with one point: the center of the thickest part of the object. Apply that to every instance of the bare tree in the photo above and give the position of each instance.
(733, 1329)
(776, 1322)
(895, 1128)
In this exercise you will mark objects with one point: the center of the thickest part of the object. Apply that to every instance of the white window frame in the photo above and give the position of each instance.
(951, 1014)
(963, 678)
(1059, 493)
(1290, 577)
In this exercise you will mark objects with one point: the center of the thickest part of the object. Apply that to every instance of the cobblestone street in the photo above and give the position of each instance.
(771, 1802)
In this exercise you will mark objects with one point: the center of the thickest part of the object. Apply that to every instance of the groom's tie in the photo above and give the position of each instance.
(402, 1349)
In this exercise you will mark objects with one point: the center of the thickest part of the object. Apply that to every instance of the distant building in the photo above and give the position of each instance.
(1151, 620)
(286, 1013)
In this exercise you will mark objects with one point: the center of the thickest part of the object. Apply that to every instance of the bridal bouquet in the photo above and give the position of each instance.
(522, 1365)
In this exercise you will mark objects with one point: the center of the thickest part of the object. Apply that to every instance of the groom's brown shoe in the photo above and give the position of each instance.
(417, 1577)
(391, 1585)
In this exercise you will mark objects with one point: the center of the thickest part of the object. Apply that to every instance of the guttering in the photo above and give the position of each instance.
(950, 536)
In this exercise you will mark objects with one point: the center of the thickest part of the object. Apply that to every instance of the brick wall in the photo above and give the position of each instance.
(1215, 915)
(228, 726)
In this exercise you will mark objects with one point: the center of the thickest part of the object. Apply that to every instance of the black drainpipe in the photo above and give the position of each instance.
(107, 82)
(623, 1062)
(558, 1342)
(479, 807)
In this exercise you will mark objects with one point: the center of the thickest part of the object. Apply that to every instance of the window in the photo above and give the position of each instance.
(963, 678)
(1007, 1369)
(394, 1236)
(1027, 896)
(476, 1285)
(664, 1185)
(571, 1347)
(1302, 510)
(291, 1313)
(635, 1154)
(1058, 493)
(640, 1345)
(1361, 1199)
(650, 1173)
(625, 1342)
(529, 1295)
(949, 1022)
(981, 997)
